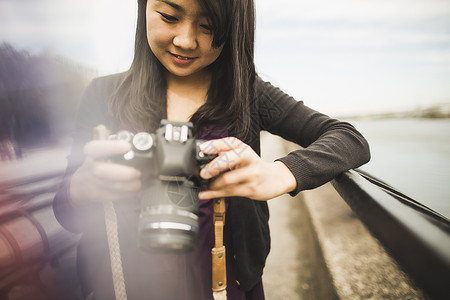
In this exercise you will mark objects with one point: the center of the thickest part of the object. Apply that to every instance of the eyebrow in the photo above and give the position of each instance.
(179, 7)
(174, 5)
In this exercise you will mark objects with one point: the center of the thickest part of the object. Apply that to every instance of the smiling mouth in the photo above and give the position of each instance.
(182, 57)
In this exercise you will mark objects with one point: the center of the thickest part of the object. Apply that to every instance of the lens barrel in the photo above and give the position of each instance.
(168, 221)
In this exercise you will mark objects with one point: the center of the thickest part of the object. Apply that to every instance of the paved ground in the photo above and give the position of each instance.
(295, 269)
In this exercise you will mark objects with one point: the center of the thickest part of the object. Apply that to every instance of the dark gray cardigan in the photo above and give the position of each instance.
(329, 148)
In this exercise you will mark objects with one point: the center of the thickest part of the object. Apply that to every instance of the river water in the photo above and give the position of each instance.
(413, 156)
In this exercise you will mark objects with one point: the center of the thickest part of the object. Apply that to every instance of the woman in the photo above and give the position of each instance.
(194, 62)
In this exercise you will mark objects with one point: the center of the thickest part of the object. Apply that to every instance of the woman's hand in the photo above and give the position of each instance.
(98, 180)
(241, 172)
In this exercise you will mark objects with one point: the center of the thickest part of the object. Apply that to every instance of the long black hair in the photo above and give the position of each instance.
(140, 101)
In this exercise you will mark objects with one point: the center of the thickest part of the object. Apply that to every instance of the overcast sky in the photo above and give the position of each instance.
(340, 57)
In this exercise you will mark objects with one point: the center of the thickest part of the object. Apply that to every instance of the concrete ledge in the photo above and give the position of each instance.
(358, 264)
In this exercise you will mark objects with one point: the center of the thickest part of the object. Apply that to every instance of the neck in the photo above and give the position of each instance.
(185, 95)
(194, 84)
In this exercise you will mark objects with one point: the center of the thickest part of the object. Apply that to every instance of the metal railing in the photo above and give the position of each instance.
(37, 256)
(417, 237)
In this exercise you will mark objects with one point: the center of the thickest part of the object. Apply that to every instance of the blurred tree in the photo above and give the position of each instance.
(38, 96)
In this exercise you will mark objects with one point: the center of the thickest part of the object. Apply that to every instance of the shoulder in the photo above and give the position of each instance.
(101, 89)
(260, 86)
(272, 103)
(266, 91)
(107, 83)
(95, 100)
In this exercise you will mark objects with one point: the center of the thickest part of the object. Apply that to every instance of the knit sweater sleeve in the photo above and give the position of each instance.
(329, 146)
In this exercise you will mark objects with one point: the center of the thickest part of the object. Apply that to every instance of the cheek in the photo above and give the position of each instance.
(157, 35)
(158, 38)
(206, 44)
(215, 52)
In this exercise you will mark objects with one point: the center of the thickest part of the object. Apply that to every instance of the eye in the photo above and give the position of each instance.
(206, 27)
(168, 18)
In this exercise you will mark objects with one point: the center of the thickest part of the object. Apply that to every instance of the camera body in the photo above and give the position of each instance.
(170, 161)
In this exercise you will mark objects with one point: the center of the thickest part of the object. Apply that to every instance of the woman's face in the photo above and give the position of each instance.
(180, 36)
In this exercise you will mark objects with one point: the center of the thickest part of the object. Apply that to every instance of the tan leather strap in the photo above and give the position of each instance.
(219, 270)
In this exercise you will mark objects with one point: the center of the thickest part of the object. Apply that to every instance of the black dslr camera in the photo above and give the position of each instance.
(170, 161)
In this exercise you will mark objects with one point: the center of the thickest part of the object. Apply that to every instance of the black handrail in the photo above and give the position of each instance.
(404, 198)
(415, 235)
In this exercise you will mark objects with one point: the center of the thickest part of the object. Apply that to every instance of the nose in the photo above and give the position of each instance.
(186, 37)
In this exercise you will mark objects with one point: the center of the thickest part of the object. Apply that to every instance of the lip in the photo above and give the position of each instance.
(181, 60)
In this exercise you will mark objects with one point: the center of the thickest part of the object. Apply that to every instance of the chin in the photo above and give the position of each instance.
(182, 73)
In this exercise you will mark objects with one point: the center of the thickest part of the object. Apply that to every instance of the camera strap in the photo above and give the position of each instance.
(219, 268)
(114, 251)
(112, 234)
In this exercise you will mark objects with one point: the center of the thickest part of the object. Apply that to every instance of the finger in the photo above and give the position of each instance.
(120, 187)
(226, 161)
(229, 191)
(229, 184)
(97, 149)
(85, 188)
(222, 163)
(220, 145)
(235, 177)
(115, 172)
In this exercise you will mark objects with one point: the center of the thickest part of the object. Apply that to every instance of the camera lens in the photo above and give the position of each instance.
(169, 217)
